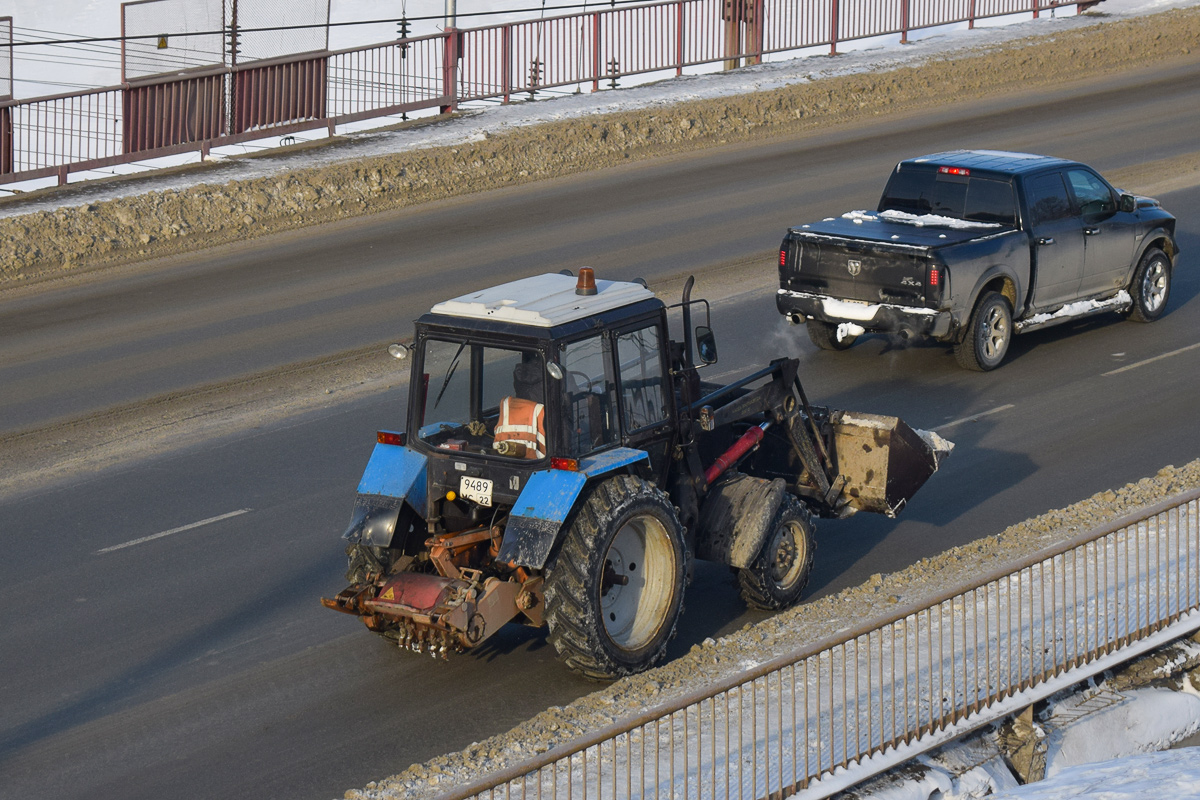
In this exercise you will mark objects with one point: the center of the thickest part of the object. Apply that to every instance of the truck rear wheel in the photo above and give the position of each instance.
(1151, 286)
(989, 333)
(825, 335)
(781, 570)
(615, 591)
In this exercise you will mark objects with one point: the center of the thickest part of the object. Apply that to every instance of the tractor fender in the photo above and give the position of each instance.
(393, 476)
(736, 518)
(374, 520)
(395, 471)
(549, 496)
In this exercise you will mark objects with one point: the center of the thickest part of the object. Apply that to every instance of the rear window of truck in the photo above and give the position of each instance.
(923, 190)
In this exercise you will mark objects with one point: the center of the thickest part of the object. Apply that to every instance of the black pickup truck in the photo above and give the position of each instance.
(971, 246)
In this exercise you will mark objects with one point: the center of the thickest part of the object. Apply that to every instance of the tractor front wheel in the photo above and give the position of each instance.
(615, 590)
(780, 571)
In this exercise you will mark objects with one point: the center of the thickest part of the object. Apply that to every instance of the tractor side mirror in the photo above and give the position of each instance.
(1128, 203)
(706, 345)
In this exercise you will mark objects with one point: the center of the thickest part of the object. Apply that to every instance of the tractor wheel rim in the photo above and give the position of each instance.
(788, 556)
(642, 560)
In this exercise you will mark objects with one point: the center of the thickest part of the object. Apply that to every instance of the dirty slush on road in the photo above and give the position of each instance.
(47, 244)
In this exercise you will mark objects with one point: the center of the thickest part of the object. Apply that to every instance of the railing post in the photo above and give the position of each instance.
(904, 21)
(1035, 9)
(679, 38)
(506, 62)
(731, 14)
(596, 51)
(971, 22)
(450, 56)
(833, 26)
(758, 29)
(6, 141)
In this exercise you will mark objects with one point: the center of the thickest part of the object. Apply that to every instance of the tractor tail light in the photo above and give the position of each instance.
(568, 464)
(390, 437)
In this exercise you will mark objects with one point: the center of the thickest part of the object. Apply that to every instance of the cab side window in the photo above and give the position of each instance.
(1093, 194)
(590, 400)
(1048, 199)
(643, 401)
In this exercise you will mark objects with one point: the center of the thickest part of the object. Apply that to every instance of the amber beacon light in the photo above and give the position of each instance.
(587, 281)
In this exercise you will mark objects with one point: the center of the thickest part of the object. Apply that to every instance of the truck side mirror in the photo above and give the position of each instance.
(1128, 203)
(706, 345)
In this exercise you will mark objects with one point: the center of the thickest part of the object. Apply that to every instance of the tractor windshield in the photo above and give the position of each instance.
(483, 399)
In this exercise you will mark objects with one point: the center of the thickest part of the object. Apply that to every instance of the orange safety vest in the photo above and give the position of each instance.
(523, 421)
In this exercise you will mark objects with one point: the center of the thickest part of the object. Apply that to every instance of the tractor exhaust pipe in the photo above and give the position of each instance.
(687, 322)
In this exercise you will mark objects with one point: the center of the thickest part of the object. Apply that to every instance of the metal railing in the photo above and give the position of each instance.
(837, 711)
(213, 106)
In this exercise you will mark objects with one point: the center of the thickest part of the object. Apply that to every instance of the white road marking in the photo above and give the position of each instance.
(1152, 360)
(180, 529)
(975, 417)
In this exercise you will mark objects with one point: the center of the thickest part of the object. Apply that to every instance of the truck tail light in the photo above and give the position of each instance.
(954, 171)
(783, 256)
(937, 284)
(390, 437)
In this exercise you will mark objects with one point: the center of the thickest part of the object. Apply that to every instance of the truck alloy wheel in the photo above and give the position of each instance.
(1151, 286)
(988, 334)
(781, 570)
(615, 591)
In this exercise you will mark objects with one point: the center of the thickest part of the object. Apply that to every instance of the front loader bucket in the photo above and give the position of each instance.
(881, 461)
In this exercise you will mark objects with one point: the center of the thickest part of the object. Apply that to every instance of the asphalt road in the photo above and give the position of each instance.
(236, 311)
(199, 664)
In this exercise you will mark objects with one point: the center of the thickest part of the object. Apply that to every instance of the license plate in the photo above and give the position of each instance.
(477, 489)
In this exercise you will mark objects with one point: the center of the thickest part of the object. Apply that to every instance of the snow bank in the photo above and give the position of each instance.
(1173, 774)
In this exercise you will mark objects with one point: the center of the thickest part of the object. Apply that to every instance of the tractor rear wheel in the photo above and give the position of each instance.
(780, 571)
(615, 590)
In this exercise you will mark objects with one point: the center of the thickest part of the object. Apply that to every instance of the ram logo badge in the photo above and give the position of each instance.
(854, 267)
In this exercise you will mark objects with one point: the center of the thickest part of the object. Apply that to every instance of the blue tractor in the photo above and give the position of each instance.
(563, 462)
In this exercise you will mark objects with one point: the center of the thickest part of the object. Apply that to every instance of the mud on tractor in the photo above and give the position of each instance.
(564, 462)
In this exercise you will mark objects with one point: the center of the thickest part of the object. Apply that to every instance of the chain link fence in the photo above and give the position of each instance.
(168, 36)
(301, 26)
(164, 36)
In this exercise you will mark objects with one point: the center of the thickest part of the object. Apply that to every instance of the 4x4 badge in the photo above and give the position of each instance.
(854, 267)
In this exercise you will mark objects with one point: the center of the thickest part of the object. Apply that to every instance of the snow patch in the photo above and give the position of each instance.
(1148, 719)
(1081, 307)
(936, 220)
(1171, 774)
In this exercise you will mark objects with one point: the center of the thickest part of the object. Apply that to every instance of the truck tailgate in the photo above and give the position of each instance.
(864, 258)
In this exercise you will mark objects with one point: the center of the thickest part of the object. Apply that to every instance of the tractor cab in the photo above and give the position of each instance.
(537, 374)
